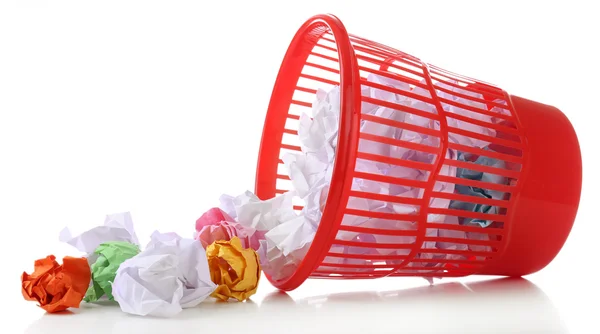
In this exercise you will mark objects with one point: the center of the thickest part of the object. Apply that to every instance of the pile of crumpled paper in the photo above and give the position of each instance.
(286, 235)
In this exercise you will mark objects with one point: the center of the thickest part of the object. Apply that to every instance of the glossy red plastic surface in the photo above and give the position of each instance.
(546, 205)
(536, 141)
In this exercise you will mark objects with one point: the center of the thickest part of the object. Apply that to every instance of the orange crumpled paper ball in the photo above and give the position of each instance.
(235, 270)
(57, 287)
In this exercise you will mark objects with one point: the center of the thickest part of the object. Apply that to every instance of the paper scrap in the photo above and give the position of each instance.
(235, 270)
(478, 192)
(217, 225)
(117, 227)
(57, 287)
(104, 270)
(259, 215)
(170, 274)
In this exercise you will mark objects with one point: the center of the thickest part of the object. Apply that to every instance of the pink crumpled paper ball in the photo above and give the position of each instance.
(215, 225)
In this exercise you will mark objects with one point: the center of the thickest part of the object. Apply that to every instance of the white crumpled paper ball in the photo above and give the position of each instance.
(169, 275)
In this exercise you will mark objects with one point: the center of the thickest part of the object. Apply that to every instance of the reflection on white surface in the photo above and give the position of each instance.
(495, 306)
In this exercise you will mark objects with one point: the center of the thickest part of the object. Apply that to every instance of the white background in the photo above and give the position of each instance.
(156, 107)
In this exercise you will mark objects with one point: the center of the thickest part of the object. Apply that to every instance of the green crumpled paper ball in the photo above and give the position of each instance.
(110, 256)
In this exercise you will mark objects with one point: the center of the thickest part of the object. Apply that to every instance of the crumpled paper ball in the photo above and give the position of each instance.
(235, 270)
(216, 225)
(104, 270)
(169, 275)
(117, 227)
(57, 287)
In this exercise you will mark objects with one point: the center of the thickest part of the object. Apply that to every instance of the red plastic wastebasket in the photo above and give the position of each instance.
(537, 142)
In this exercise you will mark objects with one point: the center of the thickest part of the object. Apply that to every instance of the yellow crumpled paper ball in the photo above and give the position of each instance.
(235, 270)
